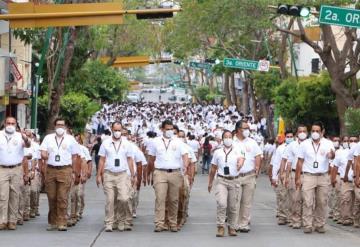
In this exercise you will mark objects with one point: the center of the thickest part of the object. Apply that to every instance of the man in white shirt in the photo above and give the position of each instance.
(288, 177)
(168, 158)
(248, 173)
(12, 146)
(313, 162)
(60, 153)
(116, 158)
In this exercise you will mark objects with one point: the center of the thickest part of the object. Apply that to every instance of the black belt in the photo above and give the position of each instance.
(59, 167)
(247, 173)
(12, 166)
(315, 174)
(293, 170)
(167, 170)
(229, 177)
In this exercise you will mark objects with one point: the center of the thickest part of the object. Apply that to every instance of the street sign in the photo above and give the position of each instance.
(339, 16)
(264, 65)
(241, 64)
(197, 65)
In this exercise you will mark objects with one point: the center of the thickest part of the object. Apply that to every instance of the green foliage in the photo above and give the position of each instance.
(202, 92)
(306, 101)
(265, 84)
(75, 107)
(352, 120)
(99, 82)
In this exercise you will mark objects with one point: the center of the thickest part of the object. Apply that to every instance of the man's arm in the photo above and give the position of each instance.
(299, 168)
(100, 172)
(150, 169)
(257, 164)
(211, 176)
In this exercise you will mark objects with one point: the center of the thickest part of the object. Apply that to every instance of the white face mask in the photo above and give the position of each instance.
(336, 144)
(246, 133)
(60, 131)
(315, 136)
(352, 144)
(345, 145)
(302, 136)
(10, 129)
(117, 134)
(169, 133)
(228, 142)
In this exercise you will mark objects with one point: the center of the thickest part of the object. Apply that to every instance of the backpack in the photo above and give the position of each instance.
(207, 150)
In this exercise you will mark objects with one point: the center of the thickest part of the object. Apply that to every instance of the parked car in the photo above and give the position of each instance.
(172, 98)
(134, 97)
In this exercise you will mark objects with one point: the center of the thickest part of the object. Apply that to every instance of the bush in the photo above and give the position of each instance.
(352, 120)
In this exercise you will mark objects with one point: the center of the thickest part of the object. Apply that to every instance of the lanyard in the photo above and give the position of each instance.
(227, 154)
(8, 139)
(118, 148)
(315, 150)
(166, 146)
(59, 144)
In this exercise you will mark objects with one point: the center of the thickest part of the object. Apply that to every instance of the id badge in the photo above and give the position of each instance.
(57, 158)
(226, 170)
(117, 162)
(316, 164)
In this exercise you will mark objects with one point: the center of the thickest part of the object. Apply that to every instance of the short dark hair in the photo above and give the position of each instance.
(116, 122)
(239, 124)
(226, 131)
(320, 124)
(288, 131)
(166, 122)
(177, 128)
(59, 119)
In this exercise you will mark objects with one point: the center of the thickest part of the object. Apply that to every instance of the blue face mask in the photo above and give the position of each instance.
(289, 140)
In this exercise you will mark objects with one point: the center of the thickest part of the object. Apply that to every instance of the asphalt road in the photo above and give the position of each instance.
(199, 230)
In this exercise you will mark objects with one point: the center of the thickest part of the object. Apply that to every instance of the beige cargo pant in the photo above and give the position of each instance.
(356, 208)
(227, 193)
(295, 202)
(166, 186)
(126, 212)
(117, 193)
(10, 180)
(283, 201)
(334, 199)
(24, 201)
(347, 197)
(35, 193)
(315, 189)
(246, 197)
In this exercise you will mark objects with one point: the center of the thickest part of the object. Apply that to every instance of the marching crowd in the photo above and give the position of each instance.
(165, 146)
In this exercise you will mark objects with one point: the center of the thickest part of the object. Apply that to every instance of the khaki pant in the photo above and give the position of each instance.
(166, 186)
(347, 197)
(227, 194)
(24, 201)
(246, 196)
(184, 194)
(135, 201)
(57, 185)
(334, 199)
(35, 193)
(282, 194)
(74, 202)
(117, 193)
(10, 180)
(315, 191)
(295, 202)
(356, 206)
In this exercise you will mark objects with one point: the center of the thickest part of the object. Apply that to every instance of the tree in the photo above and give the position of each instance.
(352, 120)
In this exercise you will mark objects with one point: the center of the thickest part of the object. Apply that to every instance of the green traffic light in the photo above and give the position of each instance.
(304, 12)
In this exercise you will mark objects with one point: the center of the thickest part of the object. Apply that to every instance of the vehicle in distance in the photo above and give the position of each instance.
(172, 98)
(134, 97)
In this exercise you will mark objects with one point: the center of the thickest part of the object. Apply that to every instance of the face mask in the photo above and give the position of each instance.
(60, 131)
(117, 134)
(336, 144)
(169, 133)
(10, 129)
(183, 139)
(289, 140)
(246, 133)
(302, 136)
(228, 142)
(315, 136)
(345, 145)
(352, 144)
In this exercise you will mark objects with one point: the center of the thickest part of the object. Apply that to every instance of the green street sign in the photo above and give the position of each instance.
(346, 17)
(197, 65)
(241, 64)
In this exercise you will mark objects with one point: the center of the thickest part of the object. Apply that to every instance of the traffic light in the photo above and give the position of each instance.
(293, 10)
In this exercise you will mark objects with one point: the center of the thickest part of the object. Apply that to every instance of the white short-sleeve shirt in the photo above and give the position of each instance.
(276, 160)
(227, 157)
(11, 149)
(113, 150)
(168, 152)
(85, 154)
(312, 153)
(251, 149)
(64, 147)
(340, 161)
(290, 153)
